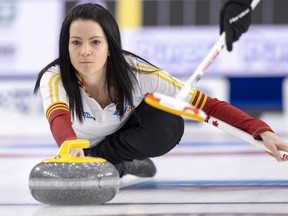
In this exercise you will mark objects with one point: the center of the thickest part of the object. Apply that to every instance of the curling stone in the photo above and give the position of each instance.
(67, 180)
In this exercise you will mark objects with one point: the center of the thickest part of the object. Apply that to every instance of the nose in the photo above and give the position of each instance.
(85, 50)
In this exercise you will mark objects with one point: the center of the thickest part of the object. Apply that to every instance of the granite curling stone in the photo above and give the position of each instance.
(67, 180)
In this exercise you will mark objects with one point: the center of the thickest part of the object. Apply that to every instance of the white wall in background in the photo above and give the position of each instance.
(28, 35)
(262, 51)
(21, 112)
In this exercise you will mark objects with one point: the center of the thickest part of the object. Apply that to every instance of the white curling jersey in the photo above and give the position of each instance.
(99, 122)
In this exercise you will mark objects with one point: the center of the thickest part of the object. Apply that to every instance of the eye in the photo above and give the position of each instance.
(96, 42)
(75, 42)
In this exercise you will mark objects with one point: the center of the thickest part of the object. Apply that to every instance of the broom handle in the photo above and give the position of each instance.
(206, 62)
(241, 134)
(254, 3)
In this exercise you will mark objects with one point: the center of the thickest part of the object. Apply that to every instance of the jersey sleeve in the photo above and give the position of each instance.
(229, 114)
(55, 105)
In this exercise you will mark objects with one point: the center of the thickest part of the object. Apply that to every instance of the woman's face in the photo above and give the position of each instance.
(88, 47)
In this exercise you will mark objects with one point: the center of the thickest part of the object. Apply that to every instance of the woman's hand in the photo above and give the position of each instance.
(274, 143)
(77, 152)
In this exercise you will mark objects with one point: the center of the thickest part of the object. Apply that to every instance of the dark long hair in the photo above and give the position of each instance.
(117, 74)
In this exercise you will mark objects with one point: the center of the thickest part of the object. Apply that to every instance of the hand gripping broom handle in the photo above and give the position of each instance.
(241, 134)
(203, 66)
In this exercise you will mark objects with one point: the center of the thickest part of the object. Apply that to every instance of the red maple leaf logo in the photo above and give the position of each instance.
(215, 123)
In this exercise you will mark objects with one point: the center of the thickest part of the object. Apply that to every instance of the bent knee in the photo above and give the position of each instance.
(164, 138)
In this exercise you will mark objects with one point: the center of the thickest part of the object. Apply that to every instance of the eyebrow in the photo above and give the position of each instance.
(89, 38)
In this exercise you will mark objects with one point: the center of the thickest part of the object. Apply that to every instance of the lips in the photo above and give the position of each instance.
(86, 62)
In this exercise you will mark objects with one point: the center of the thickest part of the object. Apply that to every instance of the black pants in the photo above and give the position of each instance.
(149, 132)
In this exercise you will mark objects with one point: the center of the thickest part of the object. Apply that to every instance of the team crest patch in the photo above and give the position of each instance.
(88, 116)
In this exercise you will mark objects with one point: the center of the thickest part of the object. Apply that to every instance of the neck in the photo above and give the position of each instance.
(94, 81)
(97, 88)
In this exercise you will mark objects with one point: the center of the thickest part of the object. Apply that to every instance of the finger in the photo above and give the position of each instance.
(237, 34)
(283, 147)
(73, 154)
(81, 153)
(229, 47)
(229, 40)
(269, 153)
(276, 154)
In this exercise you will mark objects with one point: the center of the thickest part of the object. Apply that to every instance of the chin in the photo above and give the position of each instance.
(85, 69)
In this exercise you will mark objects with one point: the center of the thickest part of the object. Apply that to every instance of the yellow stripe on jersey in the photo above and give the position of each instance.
(51, 93)
(200, 98)
(147, 67)
(56, 106)
(55, 96)
(57, 88)
(204, 102)
(54, 88)
(160, 73)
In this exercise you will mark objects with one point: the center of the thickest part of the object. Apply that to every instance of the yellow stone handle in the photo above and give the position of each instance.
(63, 155)
(64, 150)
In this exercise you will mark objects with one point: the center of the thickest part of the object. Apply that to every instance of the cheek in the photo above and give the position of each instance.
(71, 56)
